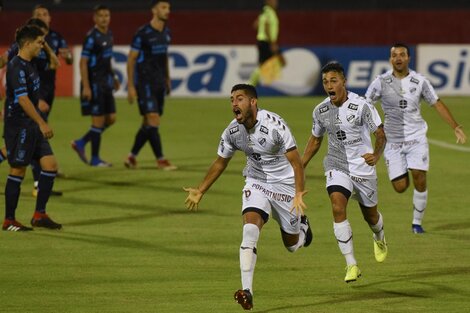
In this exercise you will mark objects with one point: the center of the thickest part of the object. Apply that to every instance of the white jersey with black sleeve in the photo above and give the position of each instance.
(401, 104)
(264, 145)
(348, 128)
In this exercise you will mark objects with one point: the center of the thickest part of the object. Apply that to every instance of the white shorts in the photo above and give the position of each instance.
(274, 199)
(364, 190)
(402, 156)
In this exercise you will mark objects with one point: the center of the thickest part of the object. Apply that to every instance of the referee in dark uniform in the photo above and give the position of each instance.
(26, 133)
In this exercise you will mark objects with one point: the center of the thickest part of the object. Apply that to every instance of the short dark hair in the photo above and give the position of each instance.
(100, 7)
(40, 6)
(333, 66)
(27, 33)
(402, 45)
(248, 89)
(155, 2)
(37, 22)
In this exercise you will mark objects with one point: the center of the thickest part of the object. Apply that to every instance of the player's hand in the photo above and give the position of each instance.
(299, 205)
(46, 131)
(131, 94)
(461, 137)
(168, 86)
(116, 84)
(86, 93)
(194, 196)
(370, 158)
(43, 106)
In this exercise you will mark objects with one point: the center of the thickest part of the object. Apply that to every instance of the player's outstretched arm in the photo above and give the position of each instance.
(293, 157)
(195, 194)
(449, 119)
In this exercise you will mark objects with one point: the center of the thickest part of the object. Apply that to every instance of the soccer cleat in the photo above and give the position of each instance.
(165, 165)
(417, 229)
(100, 163)
(244, 298)
(130, 162)
(78, 146)
(380, 250)
(308, 232)
(352, 273)
(53, 192)
(13, 225)
(43, 220)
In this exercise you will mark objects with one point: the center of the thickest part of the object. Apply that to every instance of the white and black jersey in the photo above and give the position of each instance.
(401, 104)
(348, 127)
(265, 146)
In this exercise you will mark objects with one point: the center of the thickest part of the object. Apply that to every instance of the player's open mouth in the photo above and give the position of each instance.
(331, 93)
(237, 112)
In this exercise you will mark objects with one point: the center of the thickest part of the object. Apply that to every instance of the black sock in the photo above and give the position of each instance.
(155, 142)
(36, 169)
(140, 139)
(12, 194)
(95, 141)
(87, 136)
(46, 181)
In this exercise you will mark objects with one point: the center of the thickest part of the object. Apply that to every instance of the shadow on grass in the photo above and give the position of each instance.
(431, 291)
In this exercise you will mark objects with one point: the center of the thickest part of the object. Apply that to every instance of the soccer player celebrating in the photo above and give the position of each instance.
(400, 91)
(98, 82)
(350, 161)
(26, 133)
(149, 80)
(274, 183)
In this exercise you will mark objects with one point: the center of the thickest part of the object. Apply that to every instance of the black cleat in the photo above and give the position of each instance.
(244, 298)
(308, 232)
(13, 225)
(43, 220)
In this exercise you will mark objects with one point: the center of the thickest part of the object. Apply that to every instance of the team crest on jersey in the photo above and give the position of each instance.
(262, 141)
(353, 106)
(403, 104)
(414, 80)
(388, 79)
(350, 118)
(324, 109)
(412, 90)
(264, 129)
(234, 130)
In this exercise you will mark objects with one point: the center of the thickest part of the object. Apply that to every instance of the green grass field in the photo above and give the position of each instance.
(129, 245)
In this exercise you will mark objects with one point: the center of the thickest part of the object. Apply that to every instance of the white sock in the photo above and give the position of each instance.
(378, 229)
(420, 199)
(301, 241)
(248, 255)
(343, 234)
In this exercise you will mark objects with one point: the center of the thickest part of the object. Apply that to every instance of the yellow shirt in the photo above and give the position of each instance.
(268, 16)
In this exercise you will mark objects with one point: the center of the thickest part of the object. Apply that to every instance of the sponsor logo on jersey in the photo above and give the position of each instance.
(358, 179)
(293, 221)
(234, 130)
(247, 193)
(338, 120)
(341, 135)
(324, 109)
(350, 118)
(264, 129)
(353, 106)
(256, 156)
(414, 80)
(222, 146)
(412, 90)
(388, 79)
(403, 104)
